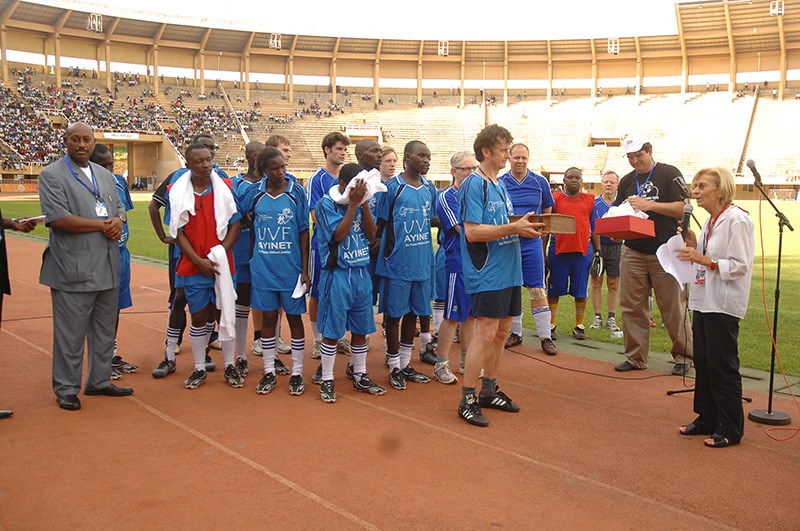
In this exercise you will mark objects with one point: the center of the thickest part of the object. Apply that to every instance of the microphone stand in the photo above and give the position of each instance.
(768, 416)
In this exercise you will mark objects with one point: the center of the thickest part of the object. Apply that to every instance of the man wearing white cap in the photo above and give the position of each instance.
(651, 187)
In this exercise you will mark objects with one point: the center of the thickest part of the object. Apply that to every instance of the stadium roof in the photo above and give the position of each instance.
(530, 29)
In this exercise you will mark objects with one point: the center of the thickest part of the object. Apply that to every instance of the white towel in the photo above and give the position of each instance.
(225, 292)
(181, 204)
(374, 185)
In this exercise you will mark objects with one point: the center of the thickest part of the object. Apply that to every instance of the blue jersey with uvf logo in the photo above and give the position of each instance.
(277, 224)
(494, 265)
(353, 251)
(406, 251)
(243, 192)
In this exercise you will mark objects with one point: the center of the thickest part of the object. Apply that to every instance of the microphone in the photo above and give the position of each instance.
(682, 185)
(687, 214)
(752, 165)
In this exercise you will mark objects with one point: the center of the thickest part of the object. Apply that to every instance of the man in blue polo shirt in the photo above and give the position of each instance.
(492, 265)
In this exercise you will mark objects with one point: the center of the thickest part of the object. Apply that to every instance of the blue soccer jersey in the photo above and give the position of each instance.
(531, 195)
(449, 218)
(494, 265)
(318, 186)
(406, 251)
(353, 251)
(277, 224)
(125, 196)
(600, 209)
(243, 192)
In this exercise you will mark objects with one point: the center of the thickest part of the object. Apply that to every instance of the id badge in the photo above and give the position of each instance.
(100, 209)
(700, 277)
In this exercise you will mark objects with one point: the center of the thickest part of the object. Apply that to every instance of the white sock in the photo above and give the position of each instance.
(516, 325)
(268, 351)
(298, 349)
(424, 339)
(359, 358)
(541, 316)
(328, 360)
(405, 355)
(172, 342)
(199, 341)
(228, 347)
(242, 313)
(438, 315)
(315, 331)
(393, 360)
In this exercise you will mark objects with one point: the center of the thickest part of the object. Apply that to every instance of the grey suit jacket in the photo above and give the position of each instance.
(78, 262)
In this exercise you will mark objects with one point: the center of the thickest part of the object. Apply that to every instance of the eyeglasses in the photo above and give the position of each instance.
(465, 168)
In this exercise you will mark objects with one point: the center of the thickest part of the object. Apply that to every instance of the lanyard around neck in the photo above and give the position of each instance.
(94, 191)
(641, 188)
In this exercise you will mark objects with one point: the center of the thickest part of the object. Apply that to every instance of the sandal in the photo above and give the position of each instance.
(692, 429)
(718, 441)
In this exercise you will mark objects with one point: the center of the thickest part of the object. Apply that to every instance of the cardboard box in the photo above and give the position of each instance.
(553, 223)
(625, 227)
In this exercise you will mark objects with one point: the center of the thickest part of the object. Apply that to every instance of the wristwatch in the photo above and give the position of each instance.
(713, 266)
(123, 217)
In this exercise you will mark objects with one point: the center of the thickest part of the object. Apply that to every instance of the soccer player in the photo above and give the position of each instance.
(280, 258)
(334, 147)
(568, 253)
(457, 302)
(195, 272)
(177, 299)
(611, 252)
(105, 158)
(242, 185)
(405, 261)
(530, 192)
(492, 265)
(345, 284)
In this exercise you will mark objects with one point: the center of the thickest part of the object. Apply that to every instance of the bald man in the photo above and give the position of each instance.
(81, 266)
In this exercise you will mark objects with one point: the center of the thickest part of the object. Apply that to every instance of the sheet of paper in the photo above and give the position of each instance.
(668, 258)
(299, 289)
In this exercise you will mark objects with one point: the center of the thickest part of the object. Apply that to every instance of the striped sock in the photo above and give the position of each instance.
(197, 336)
(393, 360)
(298, 349)
(328, 360)
(268, 351)
(358, 357)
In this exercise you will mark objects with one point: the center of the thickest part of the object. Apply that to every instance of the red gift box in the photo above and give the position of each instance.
(625, 227)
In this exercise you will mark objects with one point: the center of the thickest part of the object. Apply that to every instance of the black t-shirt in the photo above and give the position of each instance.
(661, 188)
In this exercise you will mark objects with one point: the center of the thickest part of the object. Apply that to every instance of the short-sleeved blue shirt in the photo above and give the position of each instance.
(531, 195)
(277, 224)
(406, 251)
(353, 251)
(450, 217)
(125, 197)
(318, 185)
(494, 265)
(243, 190)
(600, 209)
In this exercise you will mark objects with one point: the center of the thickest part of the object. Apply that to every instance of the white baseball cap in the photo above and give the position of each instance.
(634, 143)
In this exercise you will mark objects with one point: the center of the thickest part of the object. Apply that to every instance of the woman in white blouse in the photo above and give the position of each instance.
(723, 265)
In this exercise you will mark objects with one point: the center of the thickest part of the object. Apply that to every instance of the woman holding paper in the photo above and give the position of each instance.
(723, 264)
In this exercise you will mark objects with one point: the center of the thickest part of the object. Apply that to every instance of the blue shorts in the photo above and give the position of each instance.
(199, 290)
(569, 269)
(457, 303)
(399, 297)
(533, 264)
(345, 303)
(125, 300)
(269, 301)
(316, 267)
(441, 276)
(243, 273)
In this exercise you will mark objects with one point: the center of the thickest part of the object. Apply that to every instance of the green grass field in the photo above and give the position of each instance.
(754, 342)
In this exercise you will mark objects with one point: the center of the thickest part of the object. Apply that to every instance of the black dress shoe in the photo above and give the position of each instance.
(111, 390)
(5, 413)
(70, 402)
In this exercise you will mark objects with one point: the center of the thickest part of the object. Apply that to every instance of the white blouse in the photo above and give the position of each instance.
(732, 244)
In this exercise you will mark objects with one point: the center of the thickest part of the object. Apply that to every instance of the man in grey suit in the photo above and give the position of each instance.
(81, 266)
